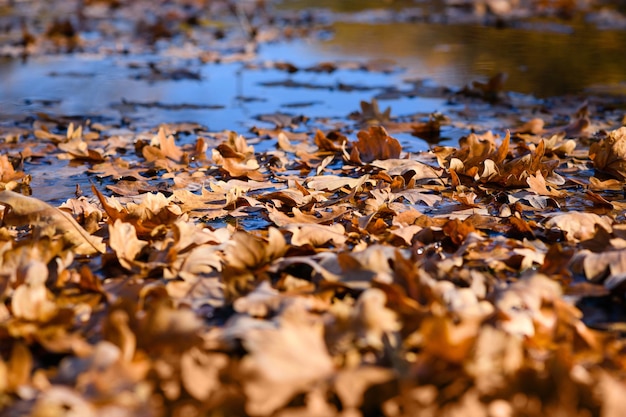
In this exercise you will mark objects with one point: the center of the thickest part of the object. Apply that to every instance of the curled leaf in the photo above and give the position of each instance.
(373, 144)
(609, 155)
(48, 220)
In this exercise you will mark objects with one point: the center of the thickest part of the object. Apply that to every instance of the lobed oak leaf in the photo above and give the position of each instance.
(458, 230)
(449, 340)
(373, 320)
(556, 144)
(523, 306)
(32, 300)
(153, 210)
(607, 266)
(237, 167)
(351, 385)
(371, 114)
(402, 166)
(8, 172)
(579, 226)
(118, 168)
(335, 182)
(612, 184)
(538, 185)
(200, 372)
(280, 219)
(260, 302)
(23, 211)
(124, 242)
(332, 142)
(609, 155)
(316, 234)
(78, 149)
(373, 144)
(284, 359)
(168, 146)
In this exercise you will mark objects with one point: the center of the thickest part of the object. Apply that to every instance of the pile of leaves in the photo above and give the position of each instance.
(333, 275)
(302, 271)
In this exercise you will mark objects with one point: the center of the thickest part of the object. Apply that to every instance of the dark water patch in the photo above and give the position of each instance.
(537, 62)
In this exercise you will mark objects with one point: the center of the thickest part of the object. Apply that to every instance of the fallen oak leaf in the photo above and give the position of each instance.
(538, 185)
(284, 358)
(124, 242)
(280, 219)
(200, 372)
(168, 146)
(46, 219)
(32, 300)
(612, 184)
(402, 166)
(609, 155)
(373, 320)
(373, 144)
(7, 172)
(579, 226)
(316, 234)
(335, 182)
(153, 211)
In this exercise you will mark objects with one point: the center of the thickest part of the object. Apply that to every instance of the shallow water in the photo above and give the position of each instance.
(564, 58)
(561, 60)
(227, 96)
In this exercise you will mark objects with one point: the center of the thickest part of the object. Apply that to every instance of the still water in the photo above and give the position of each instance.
(557, 60)
(554, 61)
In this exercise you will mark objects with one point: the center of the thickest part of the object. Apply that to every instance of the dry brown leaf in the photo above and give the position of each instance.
(7, 172)
(63, 401)
(124, 242)
(612, 184)
(168, 146)
(608, 266)
(351, 384)
(247, 252)
(316, 234)
(497, 357)
(449, 340)
(200, 371)
(260, 302)
(402, 166)
(373, 320)
(538, 185)
(335, 182)
(579, 226)
(374, 144)
(609, 155)
(284, 360)
(20, 366)
(24, 211)
(32, 300)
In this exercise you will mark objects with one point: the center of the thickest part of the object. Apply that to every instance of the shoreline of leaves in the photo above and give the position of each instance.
(383, 286)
